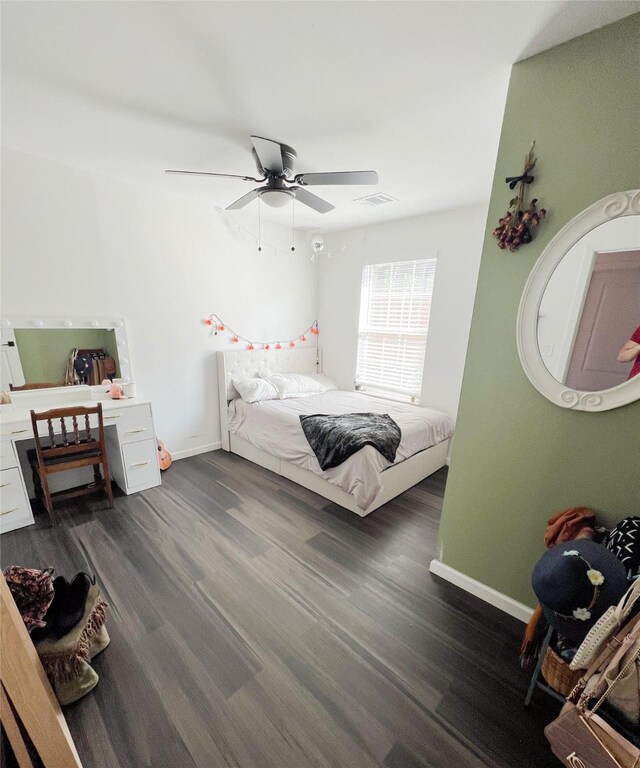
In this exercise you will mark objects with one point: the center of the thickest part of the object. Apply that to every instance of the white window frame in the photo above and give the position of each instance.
(382, 389)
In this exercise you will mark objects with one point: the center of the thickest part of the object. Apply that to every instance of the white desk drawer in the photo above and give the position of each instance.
(134, 423)
(8, 456)
(141, 464)
(15, 510)
(18, 431)
(132, 431)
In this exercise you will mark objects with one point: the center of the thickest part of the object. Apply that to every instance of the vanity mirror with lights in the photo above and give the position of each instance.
(578, 328)
(38, 374)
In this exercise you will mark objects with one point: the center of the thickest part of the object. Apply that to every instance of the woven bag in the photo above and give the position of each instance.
(609, 623)
(559, 674)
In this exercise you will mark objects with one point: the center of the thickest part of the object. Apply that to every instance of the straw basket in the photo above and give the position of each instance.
(558, 674)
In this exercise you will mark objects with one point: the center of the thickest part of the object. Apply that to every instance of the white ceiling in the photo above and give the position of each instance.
(414, 90)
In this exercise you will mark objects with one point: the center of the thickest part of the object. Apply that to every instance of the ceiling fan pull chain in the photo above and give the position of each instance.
(259, 225)
(293, 225)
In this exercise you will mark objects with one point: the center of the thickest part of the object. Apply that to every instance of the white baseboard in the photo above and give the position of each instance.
(176, 455)
(477, 588)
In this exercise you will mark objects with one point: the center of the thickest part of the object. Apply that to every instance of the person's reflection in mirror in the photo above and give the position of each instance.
(631, 351)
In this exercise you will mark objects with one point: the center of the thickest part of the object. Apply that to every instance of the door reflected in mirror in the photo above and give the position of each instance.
(589, 319)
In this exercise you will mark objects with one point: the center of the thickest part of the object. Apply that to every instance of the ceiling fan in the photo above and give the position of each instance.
(275, 163)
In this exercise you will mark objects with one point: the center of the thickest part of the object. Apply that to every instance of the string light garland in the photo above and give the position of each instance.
(217, 326)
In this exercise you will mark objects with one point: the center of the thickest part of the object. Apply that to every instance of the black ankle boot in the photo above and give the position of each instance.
(60, 589)
(73, 608)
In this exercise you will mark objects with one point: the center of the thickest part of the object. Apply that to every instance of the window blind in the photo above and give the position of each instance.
(395, 305)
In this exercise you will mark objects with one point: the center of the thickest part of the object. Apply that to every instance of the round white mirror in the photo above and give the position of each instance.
(578, 329)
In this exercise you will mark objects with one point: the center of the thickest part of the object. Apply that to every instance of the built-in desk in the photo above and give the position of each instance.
(130, 436)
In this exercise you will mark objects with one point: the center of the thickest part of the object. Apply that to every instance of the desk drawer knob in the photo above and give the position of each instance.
(117, 416)
(134, 431)
(4, 485)
(141, 463)
(9, 511)
(15, 432)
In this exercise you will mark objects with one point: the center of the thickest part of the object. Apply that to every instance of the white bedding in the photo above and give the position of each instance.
(274, 427)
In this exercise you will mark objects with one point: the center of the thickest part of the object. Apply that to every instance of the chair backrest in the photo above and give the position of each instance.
(38, 385)
(71, 432)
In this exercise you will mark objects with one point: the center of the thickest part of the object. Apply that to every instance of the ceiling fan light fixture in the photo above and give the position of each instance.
(276, 198)
(275, 162)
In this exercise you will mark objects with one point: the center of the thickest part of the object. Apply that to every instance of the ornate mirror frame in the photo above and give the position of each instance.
(608, 208)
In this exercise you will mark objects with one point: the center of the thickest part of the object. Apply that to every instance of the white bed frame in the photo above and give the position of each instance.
(244, 363)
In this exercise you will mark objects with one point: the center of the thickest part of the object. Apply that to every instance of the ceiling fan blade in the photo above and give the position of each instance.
(313, 201)
(224, 175)
(337, 177)
(269, 154)
(244, 200)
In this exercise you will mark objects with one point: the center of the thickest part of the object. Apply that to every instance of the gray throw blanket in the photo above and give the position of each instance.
(335, 438)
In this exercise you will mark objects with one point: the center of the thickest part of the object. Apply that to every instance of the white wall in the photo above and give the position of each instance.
(455, 238)
(85, 244)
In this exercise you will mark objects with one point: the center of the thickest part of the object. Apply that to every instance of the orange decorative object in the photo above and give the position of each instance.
(303, 338)
(235, 339)
(208, 321)
(267, 346)
(278, 346)
(221, 327)
(250, 346)
(292, 343)
(164, 457)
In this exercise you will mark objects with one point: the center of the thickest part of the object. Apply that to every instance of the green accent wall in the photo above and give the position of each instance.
(517, 459)
(44, 351)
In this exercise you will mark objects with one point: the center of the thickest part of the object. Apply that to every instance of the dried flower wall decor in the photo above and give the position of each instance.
(515, 227)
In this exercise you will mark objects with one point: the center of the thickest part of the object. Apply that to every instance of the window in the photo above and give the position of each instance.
(395, 305)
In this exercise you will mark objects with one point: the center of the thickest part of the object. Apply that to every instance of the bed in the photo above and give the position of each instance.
(268, 433)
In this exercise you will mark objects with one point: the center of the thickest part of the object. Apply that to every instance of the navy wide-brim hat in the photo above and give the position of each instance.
(575, 582)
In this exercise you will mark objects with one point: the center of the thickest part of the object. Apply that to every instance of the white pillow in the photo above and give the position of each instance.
(254, 390)
(326, 381)
(298, 384)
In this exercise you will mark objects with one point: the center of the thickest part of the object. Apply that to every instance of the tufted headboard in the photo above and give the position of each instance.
(236, 364)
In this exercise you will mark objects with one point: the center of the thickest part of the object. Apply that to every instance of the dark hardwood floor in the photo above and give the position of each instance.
(254, 624)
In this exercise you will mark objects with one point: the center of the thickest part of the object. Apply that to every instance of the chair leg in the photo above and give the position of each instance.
(97, 477)
(107, 486)
(37, 485)
(107, 476)
(536, 672)
(46, 498)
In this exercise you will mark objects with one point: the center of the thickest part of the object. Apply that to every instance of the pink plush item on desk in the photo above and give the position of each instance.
(116, 393)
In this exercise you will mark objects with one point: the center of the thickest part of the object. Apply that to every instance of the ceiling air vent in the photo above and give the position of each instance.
(371, 201)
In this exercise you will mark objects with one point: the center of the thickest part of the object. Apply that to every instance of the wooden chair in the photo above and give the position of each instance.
(75, 450)
(39, 385)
